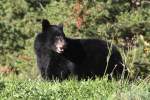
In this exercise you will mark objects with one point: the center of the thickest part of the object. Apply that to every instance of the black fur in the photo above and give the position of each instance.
(81, 57)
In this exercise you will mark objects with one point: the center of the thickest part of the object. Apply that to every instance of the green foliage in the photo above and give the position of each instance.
(15, 28)
(72, 89)
(36, 4)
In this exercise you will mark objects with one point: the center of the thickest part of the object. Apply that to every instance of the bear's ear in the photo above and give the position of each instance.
(45, 25)
(61, 26)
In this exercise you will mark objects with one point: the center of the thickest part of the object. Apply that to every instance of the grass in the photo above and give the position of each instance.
(99, 89)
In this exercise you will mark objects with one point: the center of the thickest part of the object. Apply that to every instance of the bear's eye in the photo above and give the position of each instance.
(58, 37)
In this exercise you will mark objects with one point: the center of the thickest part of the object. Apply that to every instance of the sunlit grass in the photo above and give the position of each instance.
(99, 89)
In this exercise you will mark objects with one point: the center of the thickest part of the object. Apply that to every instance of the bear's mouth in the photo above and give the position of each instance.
(60, 49)
(60, 45)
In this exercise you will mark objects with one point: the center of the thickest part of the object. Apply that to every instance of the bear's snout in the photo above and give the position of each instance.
(60, 45)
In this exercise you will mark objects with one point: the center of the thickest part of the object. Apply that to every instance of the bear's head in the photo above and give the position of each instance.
(54, 36)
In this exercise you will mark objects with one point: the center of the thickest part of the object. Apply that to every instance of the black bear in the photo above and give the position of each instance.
(59, 56)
